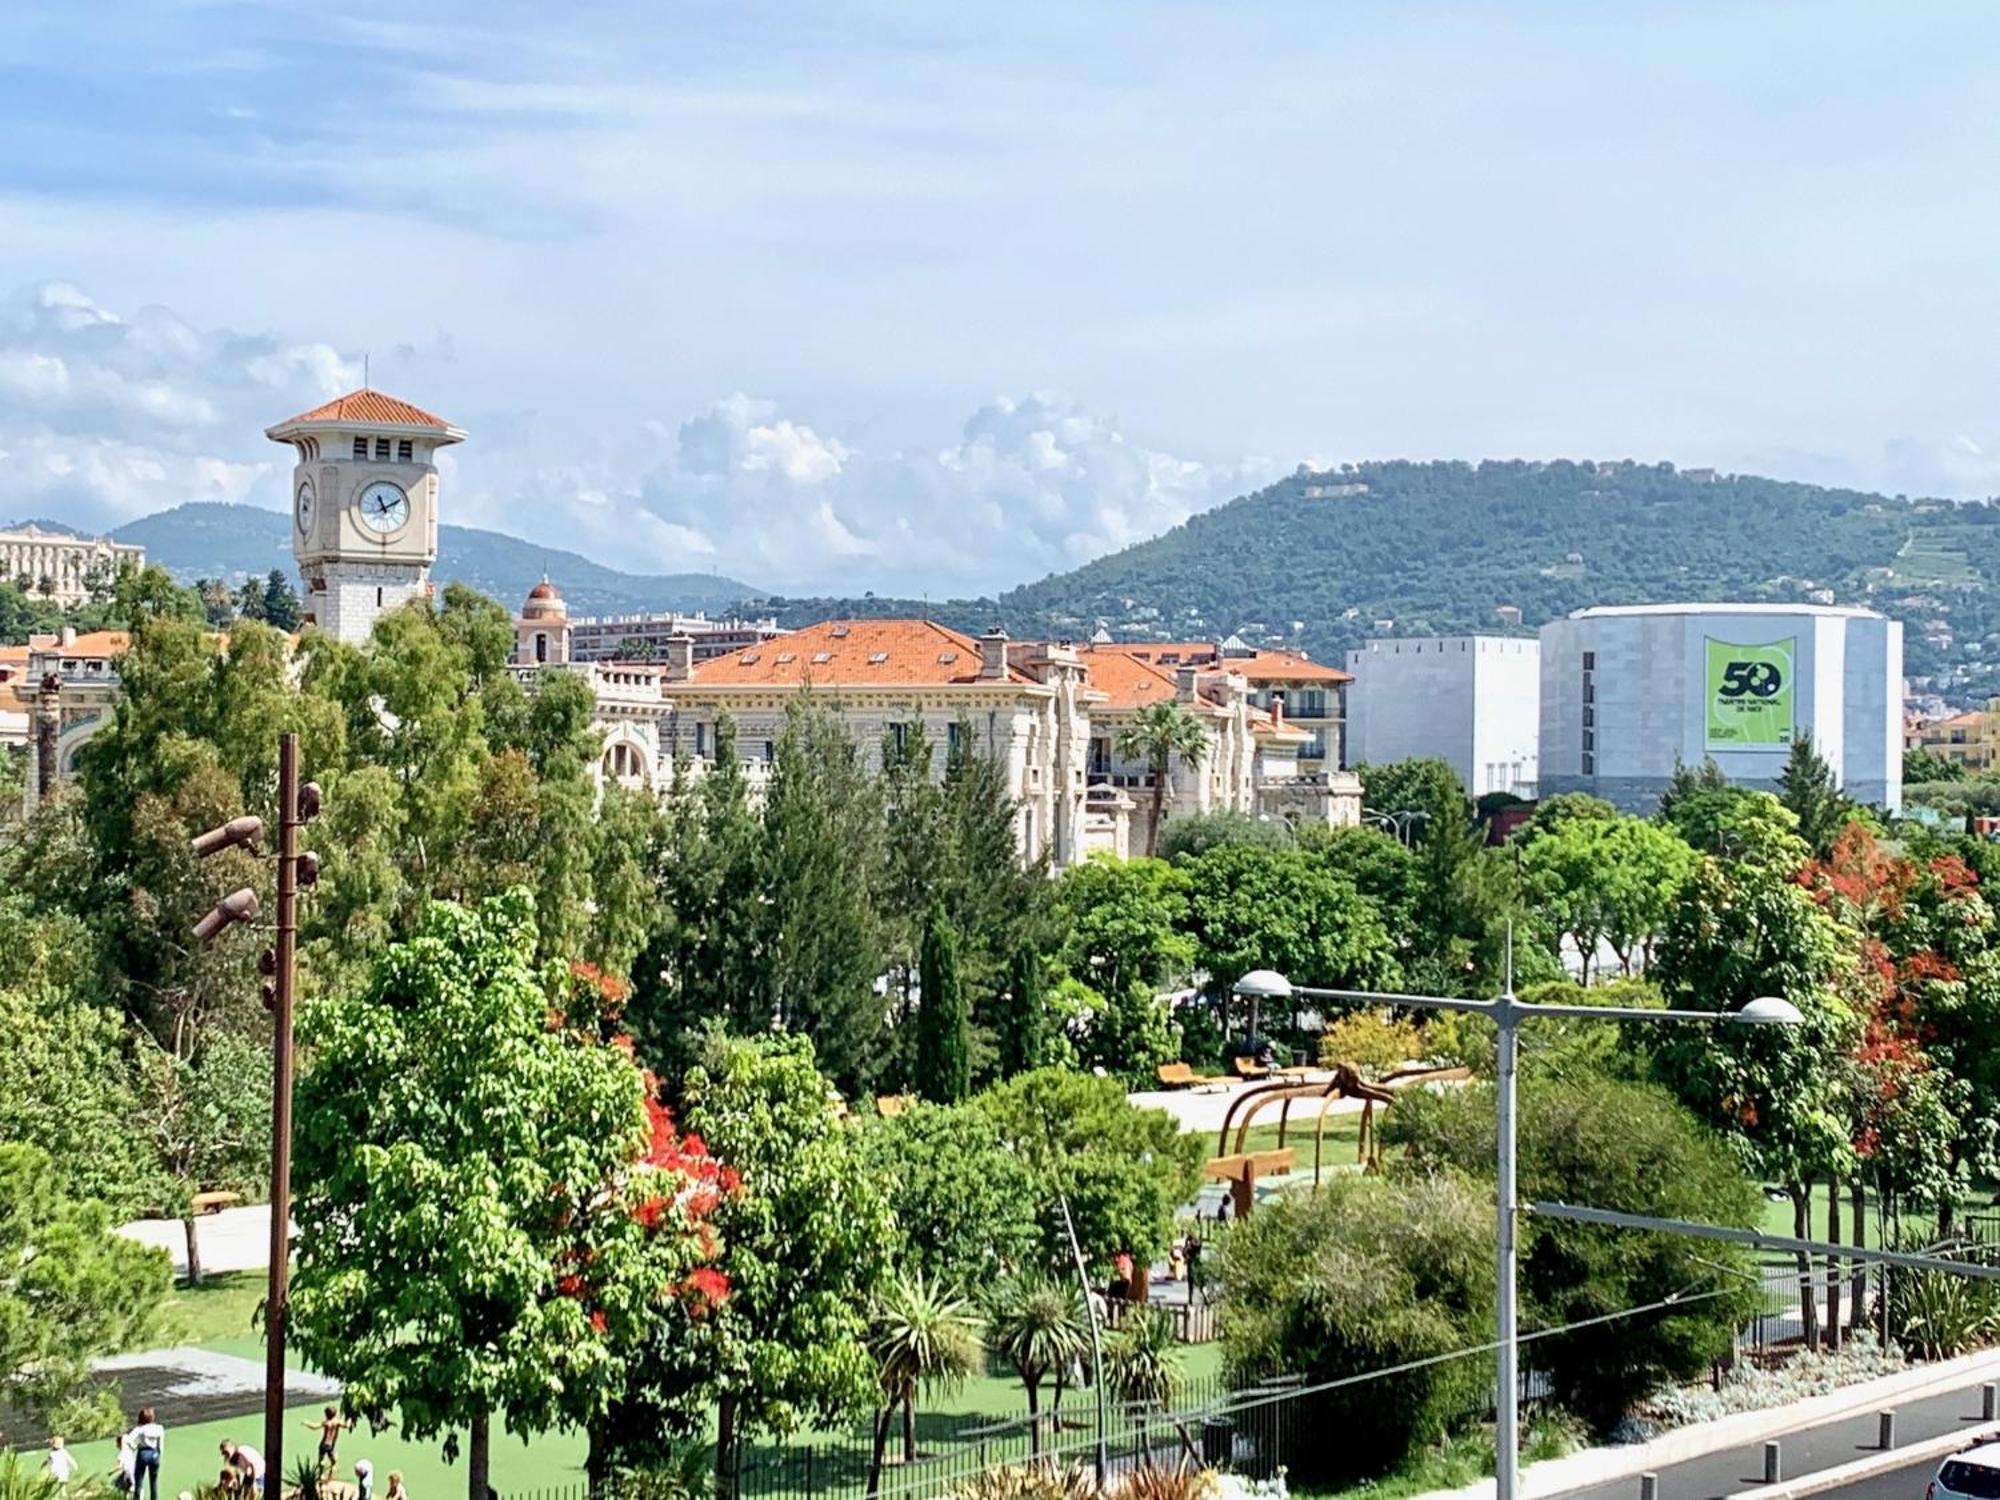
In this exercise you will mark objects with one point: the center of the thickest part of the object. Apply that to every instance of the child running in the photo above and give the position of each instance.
(329, 1428)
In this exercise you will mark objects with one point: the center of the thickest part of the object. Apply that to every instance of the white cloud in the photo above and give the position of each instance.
(105, 418)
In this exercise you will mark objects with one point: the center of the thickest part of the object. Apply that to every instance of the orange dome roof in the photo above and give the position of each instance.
(544, 603)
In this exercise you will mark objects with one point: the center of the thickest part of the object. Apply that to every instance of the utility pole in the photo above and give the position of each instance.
(298, 803)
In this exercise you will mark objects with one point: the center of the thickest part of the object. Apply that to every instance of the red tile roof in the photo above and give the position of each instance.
(1126, 681)
(369, 406)
(1263, 666)
(90, 643)
(854, 653)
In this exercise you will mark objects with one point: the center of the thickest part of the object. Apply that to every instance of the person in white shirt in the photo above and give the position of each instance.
(149, 1441)
(61, 1463)
(246, 1461)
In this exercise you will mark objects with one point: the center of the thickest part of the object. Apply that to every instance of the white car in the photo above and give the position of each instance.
(1971, 1475)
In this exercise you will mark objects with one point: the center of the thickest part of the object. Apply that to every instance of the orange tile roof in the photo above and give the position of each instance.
(1285, 666)
(854, 653)
(369, 406)
(1126, 681)
(90, 643)
(1264, 666)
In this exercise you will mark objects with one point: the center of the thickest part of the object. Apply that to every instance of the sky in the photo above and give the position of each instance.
(933, 298)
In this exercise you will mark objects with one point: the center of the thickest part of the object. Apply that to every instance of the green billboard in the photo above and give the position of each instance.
(1750, 701)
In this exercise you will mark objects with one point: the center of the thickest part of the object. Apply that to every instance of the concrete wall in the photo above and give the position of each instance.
(1649, 686)
(1472, 701)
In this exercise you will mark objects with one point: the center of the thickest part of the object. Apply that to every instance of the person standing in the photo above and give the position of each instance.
(61, 1463)
(149, 1440)
(364, 1480)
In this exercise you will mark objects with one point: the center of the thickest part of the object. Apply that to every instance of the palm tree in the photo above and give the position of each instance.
(1142, 1360)
(1039, 1327)
(922, 1337)
(1159, 732)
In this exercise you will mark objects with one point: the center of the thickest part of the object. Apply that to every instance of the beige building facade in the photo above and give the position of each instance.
(61, 568)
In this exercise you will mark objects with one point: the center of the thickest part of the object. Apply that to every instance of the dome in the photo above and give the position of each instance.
(544, 603)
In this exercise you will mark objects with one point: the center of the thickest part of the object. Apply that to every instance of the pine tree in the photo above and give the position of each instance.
(1024, 1019)
(1808, 787)
(944, 1069)
(281, 605)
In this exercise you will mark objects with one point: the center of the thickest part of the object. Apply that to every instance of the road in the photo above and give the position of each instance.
(1823, 1447)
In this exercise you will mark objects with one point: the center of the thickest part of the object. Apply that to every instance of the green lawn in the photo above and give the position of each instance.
(1342, 1133)
(224, 1306)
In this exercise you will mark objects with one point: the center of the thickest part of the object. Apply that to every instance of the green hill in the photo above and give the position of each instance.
(1325, 560)
(207, 540)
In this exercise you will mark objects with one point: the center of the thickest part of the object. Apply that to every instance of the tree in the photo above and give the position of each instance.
(964, 1206)
(204, 1107)
(1366, 1274)
(1187, 837)
(1422, 794)
(805, 1246)
(922, 1338)
(453, 1144)
(1024, 1016)
(1253, 908)
(1552, 814)
(1622, 1146)
(1606, 881)
(1125, 1170)
(1735, 823)
(1124, 923)
(1927, 765)
(279, 606)
(71, 1290)
(944, 1069)
(1160, 734)
(819, 861)
(1038, 1324)
(1807, 787)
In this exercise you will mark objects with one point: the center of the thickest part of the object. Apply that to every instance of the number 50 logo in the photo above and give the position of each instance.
(1759, 679)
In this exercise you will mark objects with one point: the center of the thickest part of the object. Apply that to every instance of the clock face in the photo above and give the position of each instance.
(384, 507)
(304, 508)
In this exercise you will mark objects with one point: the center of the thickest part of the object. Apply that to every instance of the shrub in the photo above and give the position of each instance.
(1938, 1315)
(1373, 1042)
(1195, 835)
(1363, 1275)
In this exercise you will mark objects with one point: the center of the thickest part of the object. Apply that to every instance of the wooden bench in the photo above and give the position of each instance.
(1247, 1067)
(1242, 1171)
(213, 1203)
(888, 1106)
(1178, 1075)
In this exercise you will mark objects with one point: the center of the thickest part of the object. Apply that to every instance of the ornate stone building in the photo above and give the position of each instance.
(59, 567)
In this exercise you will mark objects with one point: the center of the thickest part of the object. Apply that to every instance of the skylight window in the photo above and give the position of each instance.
(946, 658)
(877, 658)
(821, 658)
(748, 658)
(838, 631)
(785, 656)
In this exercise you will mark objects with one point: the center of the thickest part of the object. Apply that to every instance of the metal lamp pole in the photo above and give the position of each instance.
(1507, 1012)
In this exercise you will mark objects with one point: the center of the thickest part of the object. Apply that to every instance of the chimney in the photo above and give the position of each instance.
(993, 655)
(1278, 709)
(680, 658)
(1185, 678)
(68, 636)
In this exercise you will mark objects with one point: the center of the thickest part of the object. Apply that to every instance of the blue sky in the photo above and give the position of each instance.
(934, 298)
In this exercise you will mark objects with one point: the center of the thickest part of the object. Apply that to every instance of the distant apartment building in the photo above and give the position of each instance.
(1306, 694)
(644, 637)
(1970, 741)
(59, 567)
(1473, 701)
(1631, 691)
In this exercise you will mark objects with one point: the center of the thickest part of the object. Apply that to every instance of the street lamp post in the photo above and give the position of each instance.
(1507, 1012)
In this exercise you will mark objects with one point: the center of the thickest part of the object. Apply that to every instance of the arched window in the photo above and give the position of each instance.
(623, 762)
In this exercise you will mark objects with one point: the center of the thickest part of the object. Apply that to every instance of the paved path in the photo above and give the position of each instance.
(236, 1239)
(1901, 1484)
(1823, 1447)
(1203, 1109)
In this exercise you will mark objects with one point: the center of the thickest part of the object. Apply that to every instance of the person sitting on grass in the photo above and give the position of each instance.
(395, 1490)
(248, 1464)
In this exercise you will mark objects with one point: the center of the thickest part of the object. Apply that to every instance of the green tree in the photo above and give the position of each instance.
(1808, 787)
(1735, 823)
(1253, 908)
(1366, 1274)
(1161, 734)
(944, 1067)
(1606, 881)
(923, 1337)
(1124, 923)
(71, 1290)
(204, 1107)
(1616, 1145)
(279, 606)
(1185, 838)
(452, 1144)
(1038, 1324)
(1927, 765)
(805, 1246)
(1553, 814)
(963, 1205)
(1422, 794)
(820, 858)
(1124, 1169)
(1024, 1016)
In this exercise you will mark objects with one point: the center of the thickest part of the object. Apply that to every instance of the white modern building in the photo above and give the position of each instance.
(1470, 700)
(1629, 691)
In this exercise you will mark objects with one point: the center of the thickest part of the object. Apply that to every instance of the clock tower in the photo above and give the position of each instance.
(364, 506)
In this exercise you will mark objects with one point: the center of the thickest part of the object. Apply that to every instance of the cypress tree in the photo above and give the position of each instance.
(1023, 1032)
(944, 1069)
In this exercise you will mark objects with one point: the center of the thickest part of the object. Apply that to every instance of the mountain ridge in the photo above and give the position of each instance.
(214, 539)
